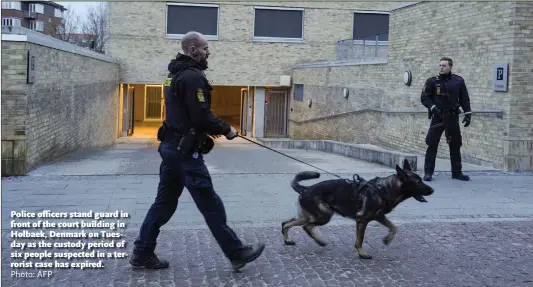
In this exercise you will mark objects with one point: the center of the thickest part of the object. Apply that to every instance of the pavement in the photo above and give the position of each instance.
(475, 233)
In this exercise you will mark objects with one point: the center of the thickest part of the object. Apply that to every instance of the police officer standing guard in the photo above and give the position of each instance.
(185, 136)
(442, 95)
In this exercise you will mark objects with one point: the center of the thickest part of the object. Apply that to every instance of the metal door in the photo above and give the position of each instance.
(153, 103)
(276, 113)
(244, 111)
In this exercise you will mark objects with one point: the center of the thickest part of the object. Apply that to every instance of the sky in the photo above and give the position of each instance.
(78, 7)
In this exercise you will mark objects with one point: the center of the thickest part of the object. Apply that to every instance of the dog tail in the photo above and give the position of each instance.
(304, 175)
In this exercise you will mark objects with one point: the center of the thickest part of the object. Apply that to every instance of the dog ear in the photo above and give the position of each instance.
(401, 173)
(406, 165)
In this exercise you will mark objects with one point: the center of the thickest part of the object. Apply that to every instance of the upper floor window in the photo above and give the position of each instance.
(38, 8)
(58, 13)
(11, 5)
(37, 25)
(12, 22)
(184, 17)
(371, 26)
(279, 24)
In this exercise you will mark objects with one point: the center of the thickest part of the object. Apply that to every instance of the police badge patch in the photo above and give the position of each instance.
(200, 95)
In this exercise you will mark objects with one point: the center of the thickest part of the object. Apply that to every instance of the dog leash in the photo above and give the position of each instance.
(287, 156)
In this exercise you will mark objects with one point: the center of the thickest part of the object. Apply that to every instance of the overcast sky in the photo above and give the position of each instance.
(80, 8)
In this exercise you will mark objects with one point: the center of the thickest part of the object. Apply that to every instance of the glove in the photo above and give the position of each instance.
(467, 119)
(232, 134)
(436, 111)
(215, 136)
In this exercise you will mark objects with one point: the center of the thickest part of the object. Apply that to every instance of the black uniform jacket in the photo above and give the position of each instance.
(188, 98)
(446, 92)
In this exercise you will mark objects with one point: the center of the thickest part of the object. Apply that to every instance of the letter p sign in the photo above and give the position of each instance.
(499, 74)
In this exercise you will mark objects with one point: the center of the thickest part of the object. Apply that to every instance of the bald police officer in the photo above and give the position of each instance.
(442, 95)
(184, 138)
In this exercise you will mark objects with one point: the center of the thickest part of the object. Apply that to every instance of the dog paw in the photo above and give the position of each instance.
(289, 242)
(387, 240)
(364, 255)
(321, 243)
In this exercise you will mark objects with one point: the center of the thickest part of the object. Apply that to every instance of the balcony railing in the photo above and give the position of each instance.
(30, 15)
(374, 47)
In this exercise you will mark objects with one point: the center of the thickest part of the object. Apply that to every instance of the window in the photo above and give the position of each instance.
(11, 22)
(37, 25)
(278, 24)
(298, 92)
(11, 5)
(183, 18)
(38, 8)
(58, 13)
(368, 25)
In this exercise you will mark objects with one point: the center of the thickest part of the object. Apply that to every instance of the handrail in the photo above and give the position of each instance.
(499, 113)
(364, 47)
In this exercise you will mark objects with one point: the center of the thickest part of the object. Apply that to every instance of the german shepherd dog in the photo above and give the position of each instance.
(359, 200)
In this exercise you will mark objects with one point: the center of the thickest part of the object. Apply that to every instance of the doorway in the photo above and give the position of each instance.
(276, 103)
(154, 103)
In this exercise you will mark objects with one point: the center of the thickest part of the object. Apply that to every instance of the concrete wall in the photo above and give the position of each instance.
(137, 38)
(72, 104)
(382, 110)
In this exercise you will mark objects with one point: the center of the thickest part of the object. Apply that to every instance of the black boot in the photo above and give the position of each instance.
(246, 255)
(149, 261)
(461, 176)
(427, 176)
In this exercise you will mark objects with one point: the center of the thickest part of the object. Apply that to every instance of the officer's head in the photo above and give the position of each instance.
(195, 45)
(445, 66)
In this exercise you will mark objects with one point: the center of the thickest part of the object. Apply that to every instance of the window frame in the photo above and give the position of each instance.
(58, 13)
(35, 10)
(10, 5)
(180, 36)
(278, 39)
(13, 21)
(35, 23)
(371, 42)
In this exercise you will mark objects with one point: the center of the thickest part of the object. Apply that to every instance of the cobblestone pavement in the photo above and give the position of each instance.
(476, 233)
(423, 254)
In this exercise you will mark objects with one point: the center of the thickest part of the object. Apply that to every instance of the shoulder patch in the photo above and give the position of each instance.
(200, 95)
(167, 83)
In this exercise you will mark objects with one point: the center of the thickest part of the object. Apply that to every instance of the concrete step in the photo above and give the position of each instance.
(366, 152)
(370, 153)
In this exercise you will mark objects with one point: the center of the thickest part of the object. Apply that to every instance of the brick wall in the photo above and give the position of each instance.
(72, 104)
(518, 144)
(419, 35)
(137, 38)
(14, 99)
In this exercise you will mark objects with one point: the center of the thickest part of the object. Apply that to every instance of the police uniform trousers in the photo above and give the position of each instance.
(176, 172)
(449, 124)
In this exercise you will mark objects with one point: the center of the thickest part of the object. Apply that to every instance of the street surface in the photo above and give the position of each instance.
(477, 233)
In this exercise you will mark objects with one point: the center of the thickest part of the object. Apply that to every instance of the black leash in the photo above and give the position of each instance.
(287, 155)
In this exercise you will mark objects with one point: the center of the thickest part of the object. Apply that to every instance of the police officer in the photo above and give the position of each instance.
(442, 95)
(184, 138)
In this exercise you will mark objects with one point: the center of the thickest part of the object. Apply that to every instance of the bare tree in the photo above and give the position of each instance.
(96, 24)
(71, 24)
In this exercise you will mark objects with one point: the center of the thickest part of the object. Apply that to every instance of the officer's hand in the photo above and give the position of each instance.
(435, 110)
(467, 120)
(232, 134)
